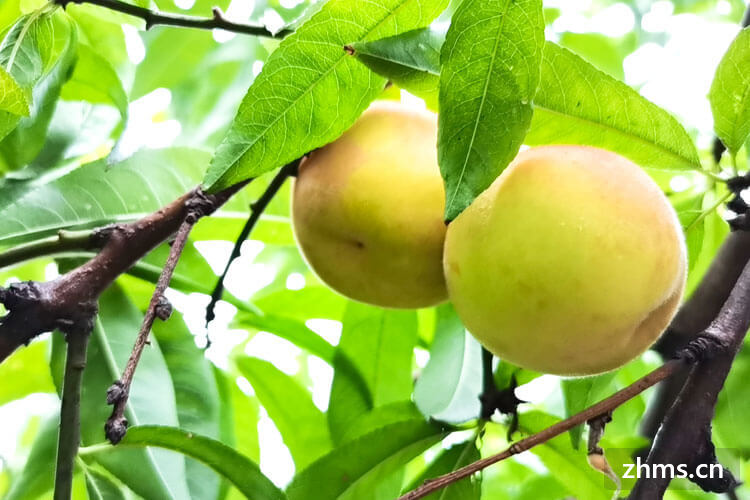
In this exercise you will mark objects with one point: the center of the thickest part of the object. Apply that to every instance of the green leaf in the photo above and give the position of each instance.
(448, 388)
(455, 457)
(381, 416)
(12, 97)
(490, 72)
(37, 476)
(310, 91)
(94, 80)
(102, 30)
(586, 106)
(39, 52)
(160, 474)
(95, 195)
(355, 469)
(292, 330)
(101, 487)
(379, 344)
(207, 80)
(580, 393)
(578, 104)
(604, 52)
(26, 369)
(240, 415)
(239, 470)
(411, 60)
(187, 49)
(730, 94)
(714, 231)
(690, 211)
(313, 301)
(301, 424)
(196, 395)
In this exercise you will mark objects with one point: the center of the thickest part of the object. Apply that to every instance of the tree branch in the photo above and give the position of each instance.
(153, 18)
(256, 210)
(70, 414)
(69, 303)
(685, 435)
(694, 317)
(603, 407)
(159, 307)
(117, 395)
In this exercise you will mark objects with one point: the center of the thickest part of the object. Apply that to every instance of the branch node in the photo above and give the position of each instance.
(115, 429)
(115, 393)
(163, 308)
(199, 205)
(703, 347)
(102, 235)
(596, 431)
(21, 295)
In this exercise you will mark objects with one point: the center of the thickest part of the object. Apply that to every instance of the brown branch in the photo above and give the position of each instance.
(694, 317)
(256, 210)
(154, 18)
(601, 408)
(69, 303)
(159, 307)
(685, 435)
(702, 307)
(117, 395)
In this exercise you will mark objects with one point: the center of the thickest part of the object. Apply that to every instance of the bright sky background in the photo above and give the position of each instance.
(676, 75)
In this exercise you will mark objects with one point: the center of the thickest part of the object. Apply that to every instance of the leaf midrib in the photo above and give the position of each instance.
(429, 70)
(451, 200)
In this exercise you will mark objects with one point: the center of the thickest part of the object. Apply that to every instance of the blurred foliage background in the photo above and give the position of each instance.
(271, 383)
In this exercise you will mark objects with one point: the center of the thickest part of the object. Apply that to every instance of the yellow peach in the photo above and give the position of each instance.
(572, 262)
(368, 209)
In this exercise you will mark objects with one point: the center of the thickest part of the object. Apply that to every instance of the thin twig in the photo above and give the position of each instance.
(63, 242)
(601, 408)
(256, 210)
(488, 386)
(118, 393)
(153, 18)
(70, 414)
